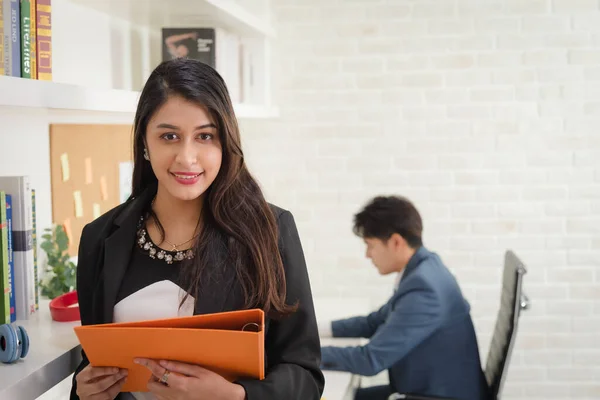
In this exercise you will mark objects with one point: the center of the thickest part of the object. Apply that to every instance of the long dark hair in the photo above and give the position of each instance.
(235, 212)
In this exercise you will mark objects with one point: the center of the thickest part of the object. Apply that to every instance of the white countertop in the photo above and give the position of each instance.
(340, 385)
(53, 355)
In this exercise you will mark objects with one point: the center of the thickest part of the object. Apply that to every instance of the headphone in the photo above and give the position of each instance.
(14, 343)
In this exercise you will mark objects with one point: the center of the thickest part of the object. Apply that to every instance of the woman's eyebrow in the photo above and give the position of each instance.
(169, 126)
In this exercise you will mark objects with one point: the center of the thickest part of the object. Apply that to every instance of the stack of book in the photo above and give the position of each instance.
(19, 287)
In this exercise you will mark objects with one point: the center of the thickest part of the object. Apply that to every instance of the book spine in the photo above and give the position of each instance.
(2, 36)
(15, 38)
(11, 262)
(33, 41)
(26, 234)
(34, 240)
(44, 40)
(7, 42)
(25, 39)
(30, 276)
(4, 286)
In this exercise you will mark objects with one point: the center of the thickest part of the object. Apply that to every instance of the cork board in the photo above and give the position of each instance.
(90, 173)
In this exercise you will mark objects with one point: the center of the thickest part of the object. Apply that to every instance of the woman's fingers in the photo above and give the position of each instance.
(172, 378)
(96, 380)
(90, 373)
(182, 368)
(112, 391)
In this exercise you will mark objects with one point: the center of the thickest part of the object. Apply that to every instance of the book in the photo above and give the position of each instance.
(194, 43)
(5, 32)
(217, 47)
(229, 343)
(11, 37)
(36, 283)
(27, 40)
(15, 38)
(33, 37)
(2, 36)
(44, 40)
(11, 263)
(20, 189)
(4, 285)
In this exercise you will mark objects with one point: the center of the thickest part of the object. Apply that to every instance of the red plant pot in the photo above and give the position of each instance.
(62, 309)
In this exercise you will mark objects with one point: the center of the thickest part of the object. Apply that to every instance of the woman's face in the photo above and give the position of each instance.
(184, 148)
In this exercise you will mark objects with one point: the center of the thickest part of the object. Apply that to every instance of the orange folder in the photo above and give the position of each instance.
(229, 343)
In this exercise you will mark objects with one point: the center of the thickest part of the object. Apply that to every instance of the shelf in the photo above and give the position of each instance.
(20, 92)
(160, 13)
(126, 47)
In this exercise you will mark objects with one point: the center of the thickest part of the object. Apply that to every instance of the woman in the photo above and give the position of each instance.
(197, 236)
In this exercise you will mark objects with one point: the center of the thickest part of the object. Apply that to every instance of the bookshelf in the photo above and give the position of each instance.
(31, 93)
(104, 50)
(157, 13)
(18, 92)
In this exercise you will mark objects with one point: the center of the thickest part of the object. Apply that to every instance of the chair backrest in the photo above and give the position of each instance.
(512, 301)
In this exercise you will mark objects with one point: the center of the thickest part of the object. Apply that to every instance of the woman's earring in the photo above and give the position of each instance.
(146, 156)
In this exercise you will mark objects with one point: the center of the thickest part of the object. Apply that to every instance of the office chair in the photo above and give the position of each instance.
(512, 302)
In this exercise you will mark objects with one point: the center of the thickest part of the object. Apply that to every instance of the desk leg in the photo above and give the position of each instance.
(354, 384)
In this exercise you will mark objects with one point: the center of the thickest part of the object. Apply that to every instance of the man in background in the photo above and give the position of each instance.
(423, 335)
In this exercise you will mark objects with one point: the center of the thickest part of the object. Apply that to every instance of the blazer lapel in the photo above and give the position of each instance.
(117, 251)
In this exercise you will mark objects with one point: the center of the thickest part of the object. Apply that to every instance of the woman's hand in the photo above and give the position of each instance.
(100, 382)
(188, 381)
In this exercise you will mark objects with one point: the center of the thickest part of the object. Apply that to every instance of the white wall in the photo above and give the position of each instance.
(486, 114)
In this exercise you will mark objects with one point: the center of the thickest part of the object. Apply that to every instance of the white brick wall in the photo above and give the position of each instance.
(486, 114)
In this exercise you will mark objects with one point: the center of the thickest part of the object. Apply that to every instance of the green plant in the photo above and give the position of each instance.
(60, 272)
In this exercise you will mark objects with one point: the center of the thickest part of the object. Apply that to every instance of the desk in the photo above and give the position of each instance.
(340, 385)
(54, 354)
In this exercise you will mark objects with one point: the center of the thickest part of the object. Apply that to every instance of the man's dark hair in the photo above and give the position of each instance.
(385, 215)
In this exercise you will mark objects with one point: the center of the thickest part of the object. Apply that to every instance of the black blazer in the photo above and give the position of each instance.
(292, 346)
